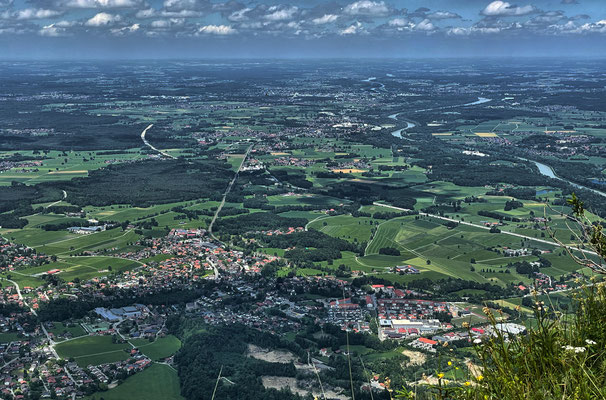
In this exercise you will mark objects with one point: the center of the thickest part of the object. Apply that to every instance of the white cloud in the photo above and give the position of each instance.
(182, 4)
(167, 23)
(52, 30)
(443, 15)
(367, 7)
(239, 15)
(127, 29)
(103, 19)
(500, 8)
(353, 29)
(102, 3)
(399, 22)
(276, 14)
(217, 30)
(36, 13)
(425, 25)
(325, 19)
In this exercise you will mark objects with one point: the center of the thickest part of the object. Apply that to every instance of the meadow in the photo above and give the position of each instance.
(157, 382)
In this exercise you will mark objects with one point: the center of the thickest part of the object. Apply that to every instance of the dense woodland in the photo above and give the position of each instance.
(150, 182)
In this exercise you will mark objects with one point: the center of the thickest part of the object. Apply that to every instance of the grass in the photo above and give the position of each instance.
(157, 382)
(8, 337)
(93, 350)
(161, 348)
(344, 227)
(60, 328)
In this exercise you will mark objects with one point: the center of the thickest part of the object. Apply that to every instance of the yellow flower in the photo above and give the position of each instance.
(486, 310)
(467, 383)
(456, 367)
(480, 377)
(449, 363)
(465, 324)
(440, 375)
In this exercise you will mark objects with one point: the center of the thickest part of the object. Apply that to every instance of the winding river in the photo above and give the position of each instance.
(398, 133)
(409, 124)
(549, 172)
(544, 169)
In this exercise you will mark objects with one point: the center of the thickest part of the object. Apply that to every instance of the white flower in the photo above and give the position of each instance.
(477, 341)
(575, 349)
(589, 341)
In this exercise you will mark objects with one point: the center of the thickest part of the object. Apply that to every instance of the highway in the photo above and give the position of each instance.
(148, 144)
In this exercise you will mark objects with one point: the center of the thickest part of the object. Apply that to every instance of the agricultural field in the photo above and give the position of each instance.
(160, 348)
(93, 350)
(157, 382)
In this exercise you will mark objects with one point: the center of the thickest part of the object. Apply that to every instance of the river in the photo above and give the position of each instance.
(398, 133)
(549, 172)
(409, 125)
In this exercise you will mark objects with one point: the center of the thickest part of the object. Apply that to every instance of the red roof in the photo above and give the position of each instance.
(427, 341)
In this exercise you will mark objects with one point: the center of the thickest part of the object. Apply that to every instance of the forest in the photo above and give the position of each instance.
(223, 349)
(150, 182)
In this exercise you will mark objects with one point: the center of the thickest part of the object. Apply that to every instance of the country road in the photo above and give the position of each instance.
(58, 201)
(148, 144)
(486, 228)
(212, 222)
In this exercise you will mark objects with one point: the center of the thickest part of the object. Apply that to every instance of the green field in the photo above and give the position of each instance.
(93, 350)
(161, 348)
(157, 382)
(60, 328)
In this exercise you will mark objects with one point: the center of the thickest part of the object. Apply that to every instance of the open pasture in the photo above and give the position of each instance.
(93, 350)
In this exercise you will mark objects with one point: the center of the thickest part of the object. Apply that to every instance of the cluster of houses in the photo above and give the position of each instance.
(14, 256)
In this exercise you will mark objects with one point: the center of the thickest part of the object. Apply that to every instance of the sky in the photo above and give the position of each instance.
(201, 29)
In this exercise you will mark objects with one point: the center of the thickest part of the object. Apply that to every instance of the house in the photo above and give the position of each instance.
(424, 344)
(406, 269)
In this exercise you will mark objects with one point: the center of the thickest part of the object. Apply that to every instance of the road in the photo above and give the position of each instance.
(216, 270)
(58, 201)
(148, 144)
(231, 184)
(486, 228)
(51, 342)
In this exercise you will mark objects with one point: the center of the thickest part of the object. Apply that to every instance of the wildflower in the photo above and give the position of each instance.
(574, 349)
(486, 310)
(449, 363)
(465, 324)
(467, 383)
(440, 375)
(518, 308)
(589, 342)
(477, 341)
(479, 377)
(456, 367)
